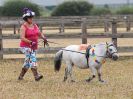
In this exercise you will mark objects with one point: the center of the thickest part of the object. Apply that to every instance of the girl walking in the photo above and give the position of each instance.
(29, 44)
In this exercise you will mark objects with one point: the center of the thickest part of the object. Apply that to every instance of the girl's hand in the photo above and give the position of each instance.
(32, 44)
(45, 40)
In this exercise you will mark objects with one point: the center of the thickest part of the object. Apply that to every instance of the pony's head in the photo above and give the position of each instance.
(112, 51)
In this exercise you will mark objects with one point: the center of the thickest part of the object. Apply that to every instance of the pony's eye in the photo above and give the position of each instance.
(110, 50)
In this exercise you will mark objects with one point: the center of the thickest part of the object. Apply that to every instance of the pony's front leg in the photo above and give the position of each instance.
(93, 70)
(99, 75)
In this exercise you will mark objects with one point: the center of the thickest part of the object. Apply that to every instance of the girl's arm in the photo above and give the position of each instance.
(41, 35)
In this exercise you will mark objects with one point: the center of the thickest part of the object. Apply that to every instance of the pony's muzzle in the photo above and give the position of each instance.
(115, 56)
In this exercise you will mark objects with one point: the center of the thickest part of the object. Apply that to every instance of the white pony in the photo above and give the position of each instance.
(73, 56)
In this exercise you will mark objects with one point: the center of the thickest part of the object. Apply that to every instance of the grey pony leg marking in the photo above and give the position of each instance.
(71, 77)
(65, 76)
(70, 72)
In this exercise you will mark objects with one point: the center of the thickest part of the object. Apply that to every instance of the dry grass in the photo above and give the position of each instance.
(119, 77)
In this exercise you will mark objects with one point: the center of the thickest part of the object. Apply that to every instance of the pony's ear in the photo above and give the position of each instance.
(113, 42)
(107, 43)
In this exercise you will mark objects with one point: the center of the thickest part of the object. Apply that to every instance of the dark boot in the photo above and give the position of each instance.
(23, 71)
(36, 75)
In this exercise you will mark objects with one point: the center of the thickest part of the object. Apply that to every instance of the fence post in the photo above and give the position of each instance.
(114, 31)
(18, 29)
(61, 28)
(41, 29)
(84, 31)
(1, 43)
(106, 26)
(128, 24)
(14, 27)
(19, 25)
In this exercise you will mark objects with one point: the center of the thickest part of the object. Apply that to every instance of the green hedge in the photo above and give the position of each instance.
(15, 7)
(125, 10)
(73, 8)
(1, 8)
(100, 11)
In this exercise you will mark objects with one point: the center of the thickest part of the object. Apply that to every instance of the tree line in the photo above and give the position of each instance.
(68, 8)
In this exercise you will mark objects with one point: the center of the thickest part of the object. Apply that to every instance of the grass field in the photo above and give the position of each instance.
(119, 77)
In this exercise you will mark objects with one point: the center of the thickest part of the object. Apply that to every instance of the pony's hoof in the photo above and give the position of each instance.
(72, 81)
(88, 80)
(64, 80)
(102, 81)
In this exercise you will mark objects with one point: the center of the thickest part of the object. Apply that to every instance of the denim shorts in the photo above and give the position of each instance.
(30, 57)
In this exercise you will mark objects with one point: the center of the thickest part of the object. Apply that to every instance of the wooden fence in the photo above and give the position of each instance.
(73, 22)
(83, 35)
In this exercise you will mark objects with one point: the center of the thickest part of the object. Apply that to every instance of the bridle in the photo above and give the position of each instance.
(108, 54)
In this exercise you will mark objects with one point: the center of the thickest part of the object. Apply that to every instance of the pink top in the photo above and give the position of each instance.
(31, 34)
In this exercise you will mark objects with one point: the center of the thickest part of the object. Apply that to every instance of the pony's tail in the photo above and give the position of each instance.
(57, 60)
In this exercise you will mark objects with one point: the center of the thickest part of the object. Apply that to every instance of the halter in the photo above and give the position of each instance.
(107, 52)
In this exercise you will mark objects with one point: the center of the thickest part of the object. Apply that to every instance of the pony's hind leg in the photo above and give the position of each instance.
(65, 76)
(68, 71)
